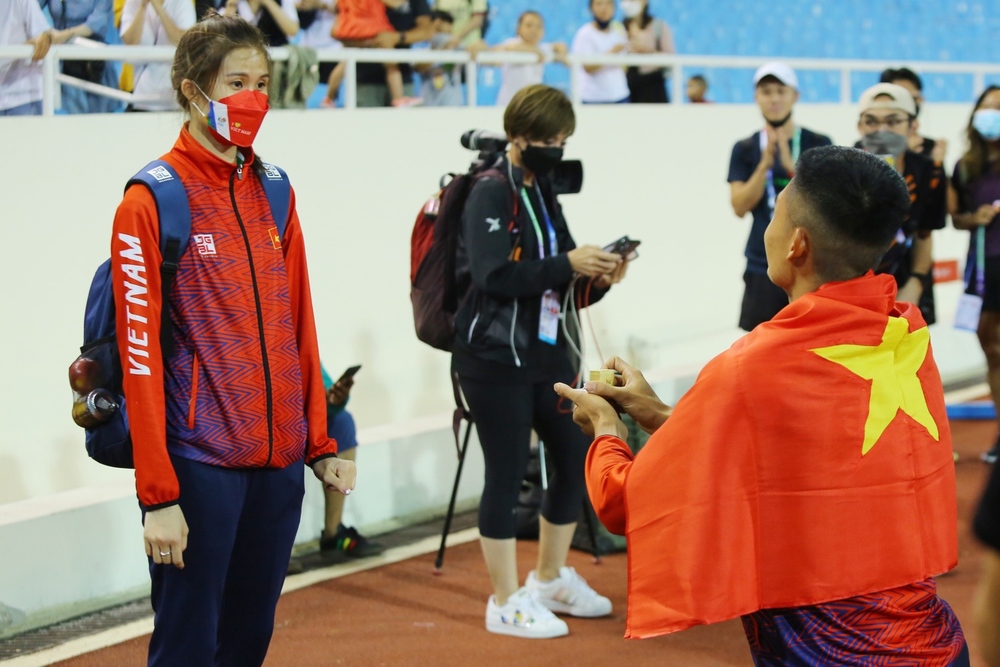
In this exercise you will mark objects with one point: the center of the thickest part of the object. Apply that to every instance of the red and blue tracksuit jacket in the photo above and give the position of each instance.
(243, 387)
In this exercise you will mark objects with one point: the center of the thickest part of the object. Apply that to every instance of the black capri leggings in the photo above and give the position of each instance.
(505, 415)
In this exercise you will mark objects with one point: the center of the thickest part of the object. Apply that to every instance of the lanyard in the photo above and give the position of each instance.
(553, 244)
(980, 260)
(772, 195)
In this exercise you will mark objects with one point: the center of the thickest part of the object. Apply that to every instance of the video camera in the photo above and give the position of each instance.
(566, 178)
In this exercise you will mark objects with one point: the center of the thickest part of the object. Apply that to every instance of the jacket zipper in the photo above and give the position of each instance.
(260, 316)
(194, 390)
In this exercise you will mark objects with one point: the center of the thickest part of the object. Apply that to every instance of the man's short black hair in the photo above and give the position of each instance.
(700, 79)
(852, 203)
(902, 74)
(440, 15)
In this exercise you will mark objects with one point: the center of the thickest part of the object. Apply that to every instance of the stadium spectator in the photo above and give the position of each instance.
(154, 23)
(697, 88)
(94, 20)
(530, 32)
(907, 78)
(886, 114)
(411, 23)
(601, 84)
(468, 18)
(22, 22)
(759, 169)
(647, 34)
(316, 18)
(974, 204)
(277, 19)
(441, 84)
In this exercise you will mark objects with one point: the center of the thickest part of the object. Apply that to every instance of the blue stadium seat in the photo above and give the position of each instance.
(889, 32)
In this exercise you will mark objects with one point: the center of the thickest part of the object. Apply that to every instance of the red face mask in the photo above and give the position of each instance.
(235, 119)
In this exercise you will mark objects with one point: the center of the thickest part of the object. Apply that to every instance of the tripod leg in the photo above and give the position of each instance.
(454, 497)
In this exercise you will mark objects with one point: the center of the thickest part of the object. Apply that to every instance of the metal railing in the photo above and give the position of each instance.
(143, 54)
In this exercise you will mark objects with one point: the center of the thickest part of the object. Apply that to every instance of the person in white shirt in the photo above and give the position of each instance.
(530, 31)
(22, 22)
(155, 23)
(601, 84)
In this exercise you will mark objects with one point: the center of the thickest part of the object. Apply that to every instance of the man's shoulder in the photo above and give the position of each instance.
(748, 144)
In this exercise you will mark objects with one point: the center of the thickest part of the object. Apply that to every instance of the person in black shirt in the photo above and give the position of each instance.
(887, 112)
(412, 22)
(760, 168)
(907, 78)
(513, 342)
(277, 19)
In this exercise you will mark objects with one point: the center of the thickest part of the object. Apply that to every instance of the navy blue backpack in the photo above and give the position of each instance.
(110, 443)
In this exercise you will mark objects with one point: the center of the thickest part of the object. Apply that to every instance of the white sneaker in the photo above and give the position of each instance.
(523, 616)
(569, 594)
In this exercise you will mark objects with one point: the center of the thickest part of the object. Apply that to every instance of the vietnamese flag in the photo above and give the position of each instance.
(810, 462)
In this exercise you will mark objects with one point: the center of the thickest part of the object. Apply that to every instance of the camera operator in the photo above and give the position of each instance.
(518, 257)
(885, 121)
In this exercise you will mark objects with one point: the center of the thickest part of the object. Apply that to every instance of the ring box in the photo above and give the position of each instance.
(605, 375)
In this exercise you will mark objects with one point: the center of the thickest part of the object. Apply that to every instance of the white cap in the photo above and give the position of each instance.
(779, 71)
(899, 98)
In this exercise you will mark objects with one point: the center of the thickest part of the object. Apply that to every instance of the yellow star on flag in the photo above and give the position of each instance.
(892, 368)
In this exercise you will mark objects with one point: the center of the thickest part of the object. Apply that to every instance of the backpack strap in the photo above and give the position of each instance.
(174, 214)
(278, 190)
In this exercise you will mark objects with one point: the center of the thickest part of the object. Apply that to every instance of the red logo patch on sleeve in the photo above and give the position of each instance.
(275, 238)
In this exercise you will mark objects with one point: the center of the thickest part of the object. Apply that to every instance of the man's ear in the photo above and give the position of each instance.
(800, 247)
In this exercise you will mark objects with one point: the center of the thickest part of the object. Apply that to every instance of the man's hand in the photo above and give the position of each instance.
(560, 51)
(984, 215)
(589, 260)
(338, 393)
(608, 279)
(42, 44)
(165, 533)
(230, 9)
(782, 136)
(593, 414)
(386, 40)
(767, 155)
(940, 150)
(635, 396)
(475, 48)
(336, 474)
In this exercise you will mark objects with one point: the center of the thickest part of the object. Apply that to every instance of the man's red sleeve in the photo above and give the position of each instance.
(135, 271)
(319, 445)
(608, 463)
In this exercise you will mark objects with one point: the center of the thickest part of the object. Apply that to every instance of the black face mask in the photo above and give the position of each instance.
(778, 123)
(541, 160)
(603, 25)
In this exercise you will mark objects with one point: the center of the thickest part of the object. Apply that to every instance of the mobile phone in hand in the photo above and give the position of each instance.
(349, 373)
(625, 247)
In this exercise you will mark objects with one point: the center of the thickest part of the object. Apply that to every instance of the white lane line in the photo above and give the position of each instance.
(144, 626)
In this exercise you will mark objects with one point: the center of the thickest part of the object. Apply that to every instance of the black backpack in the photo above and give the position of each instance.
(434, 291)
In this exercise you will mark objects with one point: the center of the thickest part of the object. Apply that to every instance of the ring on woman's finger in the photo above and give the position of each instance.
(164, 553)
